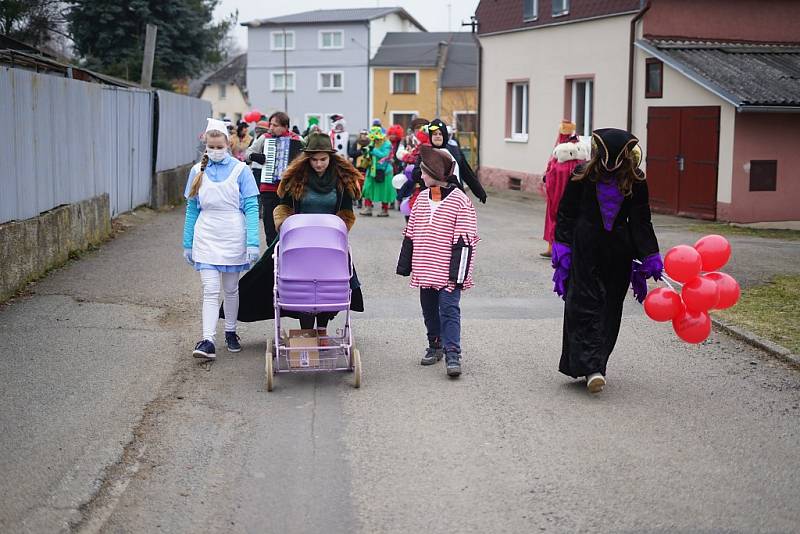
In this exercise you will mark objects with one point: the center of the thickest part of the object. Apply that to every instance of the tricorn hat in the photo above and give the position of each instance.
(437, 163)
(319, 142)
(613, 146)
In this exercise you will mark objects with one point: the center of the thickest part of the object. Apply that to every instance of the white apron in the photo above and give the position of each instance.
(219, 234)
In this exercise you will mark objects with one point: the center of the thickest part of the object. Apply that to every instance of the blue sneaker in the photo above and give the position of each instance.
(232, 341)
(453, 364)
(205, 349)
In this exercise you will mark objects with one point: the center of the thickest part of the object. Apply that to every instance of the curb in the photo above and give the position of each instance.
(760, 343)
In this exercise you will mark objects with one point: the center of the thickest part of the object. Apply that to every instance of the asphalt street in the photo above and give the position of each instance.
(109, 425)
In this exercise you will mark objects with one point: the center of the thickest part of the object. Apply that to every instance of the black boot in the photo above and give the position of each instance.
(433, 353)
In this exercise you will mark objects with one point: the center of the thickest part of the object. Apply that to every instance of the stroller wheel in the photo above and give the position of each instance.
(356, 355)
(269, 374)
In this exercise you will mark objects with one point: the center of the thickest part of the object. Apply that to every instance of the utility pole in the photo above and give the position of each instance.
(441, 61)
(285, 77)
(149, 55)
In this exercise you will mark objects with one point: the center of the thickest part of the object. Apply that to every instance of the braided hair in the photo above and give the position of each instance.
(198, 179)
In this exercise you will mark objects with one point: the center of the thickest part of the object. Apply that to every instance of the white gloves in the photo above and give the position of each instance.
(253, 254)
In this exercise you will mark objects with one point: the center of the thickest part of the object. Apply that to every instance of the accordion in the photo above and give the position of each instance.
(278, 153)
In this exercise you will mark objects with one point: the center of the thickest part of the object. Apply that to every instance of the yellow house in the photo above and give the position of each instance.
(405, 75)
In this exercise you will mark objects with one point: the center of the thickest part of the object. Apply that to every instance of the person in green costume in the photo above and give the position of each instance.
(378, 186)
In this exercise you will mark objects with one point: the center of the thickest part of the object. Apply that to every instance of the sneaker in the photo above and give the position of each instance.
(367, 211)
(232, 341)
(432, 355)
(384, 213)
(595, 383)
(453, 360)
(205, 349)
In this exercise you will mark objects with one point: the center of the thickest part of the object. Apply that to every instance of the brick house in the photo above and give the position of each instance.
(707, 95)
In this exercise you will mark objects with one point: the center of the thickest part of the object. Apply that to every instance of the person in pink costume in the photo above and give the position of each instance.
(555, 181)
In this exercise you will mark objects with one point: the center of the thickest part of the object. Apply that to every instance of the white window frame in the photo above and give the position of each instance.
(535, 10)
(522, 136)
(280, 48)
(391, 81)
(321, 40)
(564, 8)
(322, 88)
(328, 126)
(588, 105)
(320, 116)
(463, 112)
(392, 113)
(290, 76)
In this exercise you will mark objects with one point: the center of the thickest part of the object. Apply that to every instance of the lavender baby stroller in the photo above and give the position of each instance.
(312, 275)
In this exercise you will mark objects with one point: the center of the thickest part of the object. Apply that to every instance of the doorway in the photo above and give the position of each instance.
(683, 160)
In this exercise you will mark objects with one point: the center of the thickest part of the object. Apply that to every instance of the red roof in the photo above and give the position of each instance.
(505, 15)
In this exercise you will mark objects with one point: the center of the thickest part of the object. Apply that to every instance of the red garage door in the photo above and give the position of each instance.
(682, 160)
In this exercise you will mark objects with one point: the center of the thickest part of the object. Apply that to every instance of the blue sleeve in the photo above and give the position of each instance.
(192, 211)
(251, 220)
(247, 186)
(192, 174)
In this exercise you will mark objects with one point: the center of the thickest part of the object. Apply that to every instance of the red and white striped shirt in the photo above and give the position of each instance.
(435, 227)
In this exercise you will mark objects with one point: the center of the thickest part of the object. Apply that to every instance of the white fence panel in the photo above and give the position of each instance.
(181, 120)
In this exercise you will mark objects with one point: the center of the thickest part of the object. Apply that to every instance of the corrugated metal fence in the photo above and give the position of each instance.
(66, 140)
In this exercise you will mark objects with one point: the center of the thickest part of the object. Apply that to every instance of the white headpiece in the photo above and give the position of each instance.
(216, 124)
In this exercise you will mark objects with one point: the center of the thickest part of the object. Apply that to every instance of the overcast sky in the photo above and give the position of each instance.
(433, 14)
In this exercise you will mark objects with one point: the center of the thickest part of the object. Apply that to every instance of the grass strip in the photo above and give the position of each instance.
(771, 311)
(728, 229)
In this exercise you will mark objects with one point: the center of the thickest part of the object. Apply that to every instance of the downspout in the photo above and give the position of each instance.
(480, 91)
(634, 20)
(369, 74)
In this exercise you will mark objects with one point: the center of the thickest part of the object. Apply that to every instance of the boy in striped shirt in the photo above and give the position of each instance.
(438, 252)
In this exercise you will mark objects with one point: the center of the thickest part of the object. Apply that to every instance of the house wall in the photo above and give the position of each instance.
(424, 102)
(765, 136)
(234, 102)
(678, 90)
(598, 47)
(306, 61)
(727, 20)
(458, 99)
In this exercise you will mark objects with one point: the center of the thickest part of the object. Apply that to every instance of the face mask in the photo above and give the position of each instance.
(216, 154)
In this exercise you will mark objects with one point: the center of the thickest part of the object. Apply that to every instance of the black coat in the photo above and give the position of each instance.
(600, 272)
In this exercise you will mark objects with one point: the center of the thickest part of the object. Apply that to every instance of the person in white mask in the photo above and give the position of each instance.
(220, 234)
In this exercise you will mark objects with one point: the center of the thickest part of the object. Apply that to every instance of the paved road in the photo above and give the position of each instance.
(109, 426)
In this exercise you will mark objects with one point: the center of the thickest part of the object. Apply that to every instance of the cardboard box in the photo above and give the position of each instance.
(306, 343)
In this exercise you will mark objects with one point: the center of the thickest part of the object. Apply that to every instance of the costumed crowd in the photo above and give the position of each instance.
(597, 225)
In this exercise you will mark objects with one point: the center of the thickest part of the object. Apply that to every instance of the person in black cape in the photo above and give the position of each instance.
(466, 176)
(603, 225)
(318, 181)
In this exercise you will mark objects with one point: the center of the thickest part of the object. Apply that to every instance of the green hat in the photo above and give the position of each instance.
(319, 142)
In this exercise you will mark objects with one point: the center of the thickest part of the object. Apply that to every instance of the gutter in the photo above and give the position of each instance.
(745, 108)
(634, 20)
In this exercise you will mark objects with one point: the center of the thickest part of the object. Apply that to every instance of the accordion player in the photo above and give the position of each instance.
(278, 153)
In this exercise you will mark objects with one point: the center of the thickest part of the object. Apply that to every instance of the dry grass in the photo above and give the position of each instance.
(771, 311)
(728, 229)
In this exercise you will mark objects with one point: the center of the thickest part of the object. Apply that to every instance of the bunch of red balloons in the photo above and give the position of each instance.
(704, 288)
(253, 116)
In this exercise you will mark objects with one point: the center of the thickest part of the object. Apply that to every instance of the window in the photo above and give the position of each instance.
(222, 90)
(466, 121)
(329, 120)
(405, 82)
(654, 78)
(331, 81)
(530, 10)
(582, 106)
(403, 118)
(282, 40)
(283, 82)
(764, 175)
(331, 40)
(518, 127)
(560, 7)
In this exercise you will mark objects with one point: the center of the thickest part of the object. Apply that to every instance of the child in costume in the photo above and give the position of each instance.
(378, 188)
(438, 252)
(220, 233)
(603, 224)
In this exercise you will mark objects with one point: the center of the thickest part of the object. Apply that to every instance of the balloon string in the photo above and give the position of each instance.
(665, 278)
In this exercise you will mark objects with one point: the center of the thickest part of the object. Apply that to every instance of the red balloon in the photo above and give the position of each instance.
(683, 263)
(700, 294)
(663, 304)
(728, 289)
(714, 250)
(692, 326)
